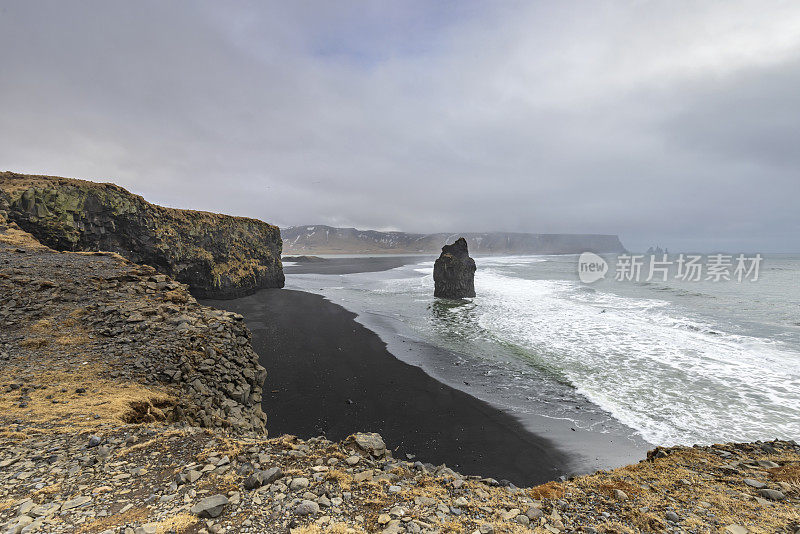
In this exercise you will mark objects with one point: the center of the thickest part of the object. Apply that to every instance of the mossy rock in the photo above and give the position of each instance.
(218, 256)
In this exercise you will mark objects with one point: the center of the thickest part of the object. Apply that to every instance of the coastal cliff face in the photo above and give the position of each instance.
(218, 256)
(454, 272)
(320, 239)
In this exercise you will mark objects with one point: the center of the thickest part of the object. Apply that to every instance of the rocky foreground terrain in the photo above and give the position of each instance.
(218, 256)
(126, 407)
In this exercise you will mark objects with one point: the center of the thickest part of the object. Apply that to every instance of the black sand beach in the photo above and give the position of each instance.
(329, 374)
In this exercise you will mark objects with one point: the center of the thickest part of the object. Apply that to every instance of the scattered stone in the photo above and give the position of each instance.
(261, 478)
(15, 526)
(44, 510)
(773, 495)
(75, 503)
(298, 483)
(534, 513)
(371, 442)
(307, 507)
(210, 507)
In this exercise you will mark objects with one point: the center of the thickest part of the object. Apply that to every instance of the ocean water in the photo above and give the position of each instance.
(675, 362)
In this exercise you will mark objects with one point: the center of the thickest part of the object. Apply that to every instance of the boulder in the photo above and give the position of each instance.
(307, 507)
(262, 478)
(210, 507)
(773, 495)
(454, 272)
(369, 442)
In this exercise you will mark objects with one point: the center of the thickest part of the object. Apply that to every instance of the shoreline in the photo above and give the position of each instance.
(588, 450)
(591, 437)
(328, 374)
(354, 264)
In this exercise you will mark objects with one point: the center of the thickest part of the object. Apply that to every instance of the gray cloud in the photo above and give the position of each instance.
(667, 122)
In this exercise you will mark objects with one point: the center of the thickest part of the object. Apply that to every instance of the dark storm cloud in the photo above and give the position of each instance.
(664, 122)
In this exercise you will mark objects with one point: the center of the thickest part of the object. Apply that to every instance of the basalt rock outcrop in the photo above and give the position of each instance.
(218, 256)
(454, 272)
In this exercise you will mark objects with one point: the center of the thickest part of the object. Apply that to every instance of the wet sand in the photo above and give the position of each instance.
(352, 264)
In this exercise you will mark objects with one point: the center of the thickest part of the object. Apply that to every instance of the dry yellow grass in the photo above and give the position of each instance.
(427, 486)
(105, 401)
(7, 435)
(42, 325)
(550, 490)
(789, 473)
(109, 254)
(47, 490)
(8, 503)
(665, 479)
(231, 448)
(71, 340)
(137, 514)
(344, 479)
(223, 483)
(333, 528)
(34, 342)
(178, 524)
(144, 444)
(15, 237)
(46, 331)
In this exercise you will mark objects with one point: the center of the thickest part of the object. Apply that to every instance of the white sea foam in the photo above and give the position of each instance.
(669, 377)
(694, 364)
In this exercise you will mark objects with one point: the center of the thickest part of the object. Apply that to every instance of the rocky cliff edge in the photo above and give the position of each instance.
(92, 337)
(218, 256)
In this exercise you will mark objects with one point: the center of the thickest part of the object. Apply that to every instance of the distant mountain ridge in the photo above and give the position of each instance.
(322, 239)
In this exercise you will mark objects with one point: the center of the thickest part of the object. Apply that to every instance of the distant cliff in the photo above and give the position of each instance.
(218, 256)
(321, 239)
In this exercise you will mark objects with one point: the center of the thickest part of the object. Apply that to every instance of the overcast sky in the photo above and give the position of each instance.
(672, 123)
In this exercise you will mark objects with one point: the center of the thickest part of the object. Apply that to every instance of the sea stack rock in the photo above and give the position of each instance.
(454, 272)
